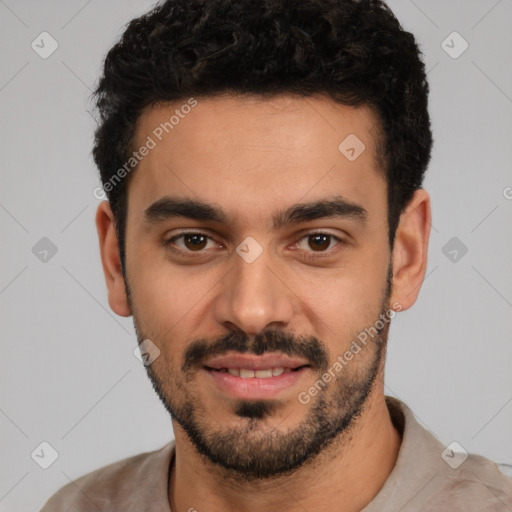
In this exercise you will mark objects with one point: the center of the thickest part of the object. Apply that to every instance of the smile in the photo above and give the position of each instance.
(243, 383)
(247, 373)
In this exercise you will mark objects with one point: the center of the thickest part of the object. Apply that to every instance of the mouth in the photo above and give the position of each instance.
(244, 376)
(248, 373)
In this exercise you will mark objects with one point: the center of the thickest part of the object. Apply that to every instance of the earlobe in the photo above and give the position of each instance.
(111, 261)
(410, 250)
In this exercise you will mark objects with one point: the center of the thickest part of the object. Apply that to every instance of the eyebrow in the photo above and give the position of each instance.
(168, 207)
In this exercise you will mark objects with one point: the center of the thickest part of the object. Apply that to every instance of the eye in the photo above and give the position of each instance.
(190, 242)
(318, 242)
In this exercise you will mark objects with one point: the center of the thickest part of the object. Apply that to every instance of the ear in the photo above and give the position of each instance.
(410, 250)
(111, 260)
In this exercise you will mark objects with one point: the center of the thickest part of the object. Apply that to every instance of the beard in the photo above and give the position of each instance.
(254, 450)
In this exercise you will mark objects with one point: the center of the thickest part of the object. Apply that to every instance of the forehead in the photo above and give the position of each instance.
(254, 152)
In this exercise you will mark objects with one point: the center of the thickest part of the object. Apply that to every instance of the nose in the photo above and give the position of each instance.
(254, 296)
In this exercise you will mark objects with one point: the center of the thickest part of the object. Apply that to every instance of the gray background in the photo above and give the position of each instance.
(68, 374)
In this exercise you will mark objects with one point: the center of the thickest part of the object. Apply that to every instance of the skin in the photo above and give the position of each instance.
(253, 157)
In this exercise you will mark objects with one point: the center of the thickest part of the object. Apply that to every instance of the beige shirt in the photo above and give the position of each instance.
(420, 481)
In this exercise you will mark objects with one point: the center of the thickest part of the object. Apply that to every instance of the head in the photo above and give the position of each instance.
(263, 165)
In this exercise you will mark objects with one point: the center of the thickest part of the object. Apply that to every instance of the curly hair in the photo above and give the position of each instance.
(354, 51)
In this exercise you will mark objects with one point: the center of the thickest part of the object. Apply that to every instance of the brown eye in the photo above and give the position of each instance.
(195, 241)
(319, 242)
(319, 245)
(190, 243)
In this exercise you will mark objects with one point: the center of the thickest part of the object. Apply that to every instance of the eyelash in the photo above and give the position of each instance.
(192, 254)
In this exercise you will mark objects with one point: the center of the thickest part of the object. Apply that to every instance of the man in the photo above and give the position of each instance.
(263, 163)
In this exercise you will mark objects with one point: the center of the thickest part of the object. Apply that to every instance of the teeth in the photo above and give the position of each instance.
(245, 373)
(263, 374)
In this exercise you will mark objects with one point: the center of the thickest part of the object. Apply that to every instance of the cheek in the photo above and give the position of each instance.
(167, 296)
(344, 298)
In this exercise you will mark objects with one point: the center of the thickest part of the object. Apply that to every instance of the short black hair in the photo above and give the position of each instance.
(354, 51)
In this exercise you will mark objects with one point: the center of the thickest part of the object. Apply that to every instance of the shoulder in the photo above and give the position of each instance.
(478, 482)
(430, 476)
(121, 484)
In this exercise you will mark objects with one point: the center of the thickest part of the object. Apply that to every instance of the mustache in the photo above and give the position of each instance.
(309, 348)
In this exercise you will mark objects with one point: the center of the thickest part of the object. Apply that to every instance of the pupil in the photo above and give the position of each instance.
(323, 245)
(196, 241)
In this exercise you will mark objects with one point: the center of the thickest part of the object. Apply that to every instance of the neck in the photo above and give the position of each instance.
(350, 473)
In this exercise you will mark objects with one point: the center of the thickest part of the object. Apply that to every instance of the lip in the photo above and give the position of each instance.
(255, 388)
(254, 362)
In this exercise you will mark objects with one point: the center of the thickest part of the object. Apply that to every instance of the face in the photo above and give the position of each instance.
(256, 255)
